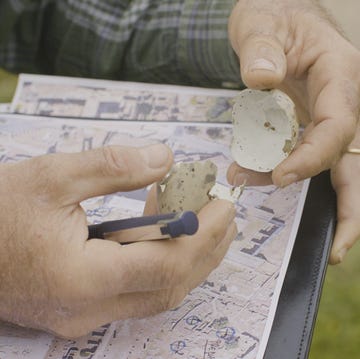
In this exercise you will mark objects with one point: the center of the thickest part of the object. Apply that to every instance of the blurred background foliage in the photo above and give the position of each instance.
(337, 329)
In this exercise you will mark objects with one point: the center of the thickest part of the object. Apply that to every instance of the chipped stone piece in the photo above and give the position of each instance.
(191, 185)
(265, 129)
(186, 187)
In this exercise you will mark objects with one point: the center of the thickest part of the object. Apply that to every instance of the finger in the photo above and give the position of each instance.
(214, 259)
(106, 268)
(151, 205)
(334, 105)
(333, 129)
(258, 37)
(346, 235)
(78, 176)
(140, 304)
(346, 180)
(238, 176)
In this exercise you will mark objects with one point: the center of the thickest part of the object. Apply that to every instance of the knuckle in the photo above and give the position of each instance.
(175, 271)
(218, 258)
(349, 133)
(41, 164)
(177, 297)
(162, 301)
(40, 169)
(219, 254)
(215, 259)
(343, 133)
(66, 288)
(314, 164)
(172, 298)
(68, 329)
(216, 235)
(114, 163)
(40, 177)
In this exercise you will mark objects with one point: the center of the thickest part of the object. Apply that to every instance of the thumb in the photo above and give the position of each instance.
(259, 42)
(75, 177)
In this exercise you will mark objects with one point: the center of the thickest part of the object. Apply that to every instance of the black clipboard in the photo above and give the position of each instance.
(295, 317)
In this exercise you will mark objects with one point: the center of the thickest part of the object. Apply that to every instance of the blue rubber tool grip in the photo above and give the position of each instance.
(187, 223)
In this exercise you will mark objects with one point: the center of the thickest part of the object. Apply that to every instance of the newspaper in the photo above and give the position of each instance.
(230, 314)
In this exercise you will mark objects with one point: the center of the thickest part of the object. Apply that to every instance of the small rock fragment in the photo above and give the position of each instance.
(190, 186)
(231, 194)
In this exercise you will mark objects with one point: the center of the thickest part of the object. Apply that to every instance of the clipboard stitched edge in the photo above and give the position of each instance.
(296, 313)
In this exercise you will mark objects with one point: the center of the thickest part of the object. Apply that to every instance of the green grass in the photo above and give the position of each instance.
(7, 86)
(337, 330)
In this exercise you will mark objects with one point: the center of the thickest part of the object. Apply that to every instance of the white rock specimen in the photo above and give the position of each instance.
(265, 129)
(190, 186)
(186, 187)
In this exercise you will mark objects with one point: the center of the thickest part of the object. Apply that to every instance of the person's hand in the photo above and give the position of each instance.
(294, 46)
(53, 278)
(345, 178)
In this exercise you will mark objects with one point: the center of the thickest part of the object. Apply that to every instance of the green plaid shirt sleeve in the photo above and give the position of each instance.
(164, 41)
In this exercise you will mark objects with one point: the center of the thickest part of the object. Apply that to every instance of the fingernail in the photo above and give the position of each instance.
(288, 179)
(240, 179)
(262, 64)
(341, 254)
(155, 155)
